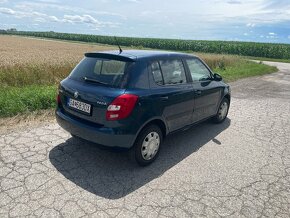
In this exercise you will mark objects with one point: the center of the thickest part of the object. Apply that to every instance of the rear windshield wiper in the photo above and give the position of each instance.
(94, 81)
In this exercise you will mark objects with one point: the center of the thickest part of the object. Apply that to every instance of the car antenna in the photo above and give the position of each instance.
(120, 49)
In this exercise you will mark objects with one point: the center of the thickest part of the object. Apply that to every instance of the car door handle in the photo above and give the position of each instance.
(197, 92)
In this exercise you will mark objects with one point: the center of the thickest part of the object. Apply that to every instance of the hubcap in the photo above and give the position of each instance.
(223, 111)
(150, 145)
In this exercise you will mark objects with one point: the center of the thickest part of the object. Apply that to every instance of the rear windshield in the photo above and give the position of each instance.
(101, 71)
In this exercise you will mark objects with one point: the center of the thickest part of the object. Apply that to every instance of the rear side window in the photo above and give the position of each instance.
(156, 71)
(107, 72)
(168, 72)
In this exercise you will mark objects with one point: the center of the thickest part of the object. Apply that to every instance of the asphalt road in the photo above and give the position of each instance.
(240, 168)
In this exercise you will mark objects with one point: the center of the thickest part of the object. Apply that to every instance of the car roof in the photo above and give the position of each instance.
(141, 54)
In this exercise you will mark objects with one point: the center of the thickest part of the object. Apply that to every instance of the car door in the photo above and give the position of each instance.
(171, 92)
(207, 92)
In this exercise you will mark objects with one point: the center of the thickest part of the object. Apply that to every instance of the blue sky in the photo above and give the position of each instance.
(242, 20)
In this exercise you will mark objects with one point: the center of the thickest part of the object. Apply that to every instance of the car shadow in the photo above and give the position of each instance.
(112, 174)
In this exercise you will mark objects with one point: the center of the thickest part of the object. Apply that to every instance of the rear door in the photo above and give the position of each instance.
(171, 92)
(207, 93)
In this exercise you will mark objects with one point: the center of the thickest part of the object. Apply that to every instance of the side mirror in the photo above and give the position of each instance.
(217, 77)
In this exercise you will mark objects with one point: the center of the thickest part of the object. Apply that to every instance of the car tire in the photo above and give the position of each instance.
(222, 112)
(147, 145)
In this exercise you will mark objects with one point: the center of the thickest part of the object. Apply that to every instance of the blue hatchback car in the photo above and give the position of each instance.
(135, 98)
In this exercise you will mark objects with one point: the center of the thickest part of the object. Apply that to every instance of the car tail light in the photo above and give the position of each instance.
(121, 107)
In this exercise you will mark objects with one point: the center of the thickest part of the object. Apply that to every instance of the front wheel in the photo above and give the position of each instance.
(222, 111)
(147, 145)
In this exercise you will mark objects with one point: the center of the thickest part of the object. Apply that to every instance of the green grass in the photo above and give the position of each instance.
(19, 100)
(244, 69)
(270, 59)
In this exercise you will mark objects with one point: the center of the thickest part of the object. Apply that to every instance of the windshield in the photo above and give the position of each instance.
(102, 71)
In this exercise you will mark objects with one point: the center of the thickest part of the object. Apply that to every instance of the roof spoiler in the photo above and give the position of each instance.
(116, 57)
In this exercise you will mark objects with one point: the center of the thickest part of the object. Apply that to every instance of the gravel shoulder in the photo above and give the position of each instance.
(30, 120)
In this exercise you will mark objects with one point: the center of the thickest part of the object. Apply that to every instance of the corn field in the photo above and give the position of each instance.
(267, 50)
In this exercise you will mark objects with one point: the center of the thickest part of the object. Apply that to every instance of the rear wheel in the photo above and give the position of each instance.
(222, 111)
(147, 145)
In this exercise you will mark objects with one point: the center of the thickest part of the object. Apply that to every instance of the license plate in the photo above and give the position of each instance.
(81, 106)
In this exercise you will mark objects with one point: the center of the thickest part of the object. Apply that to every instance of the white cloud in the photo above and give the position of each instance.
(251, 25)
(45, 5)
(40, 20)
(81, 19)
(3, 1)
(135, 1)
(73, 19)
(150, 13)
(17, 14)
(276, 4)
(49, 1)
(36, 16)
(6, 11)
(272, 35)
(234, 2)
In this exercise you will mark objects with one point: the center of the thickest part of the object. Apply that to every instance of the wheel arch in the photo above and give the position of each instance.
(154, 121)
(160, 124)
(228, 96)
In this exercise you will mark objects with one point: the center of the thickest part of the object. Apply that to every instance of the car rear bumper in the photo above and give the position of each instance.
(104, 136)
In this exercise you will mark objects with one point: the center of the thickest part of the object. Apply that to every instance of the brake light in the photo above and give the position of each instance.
(121, 107)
